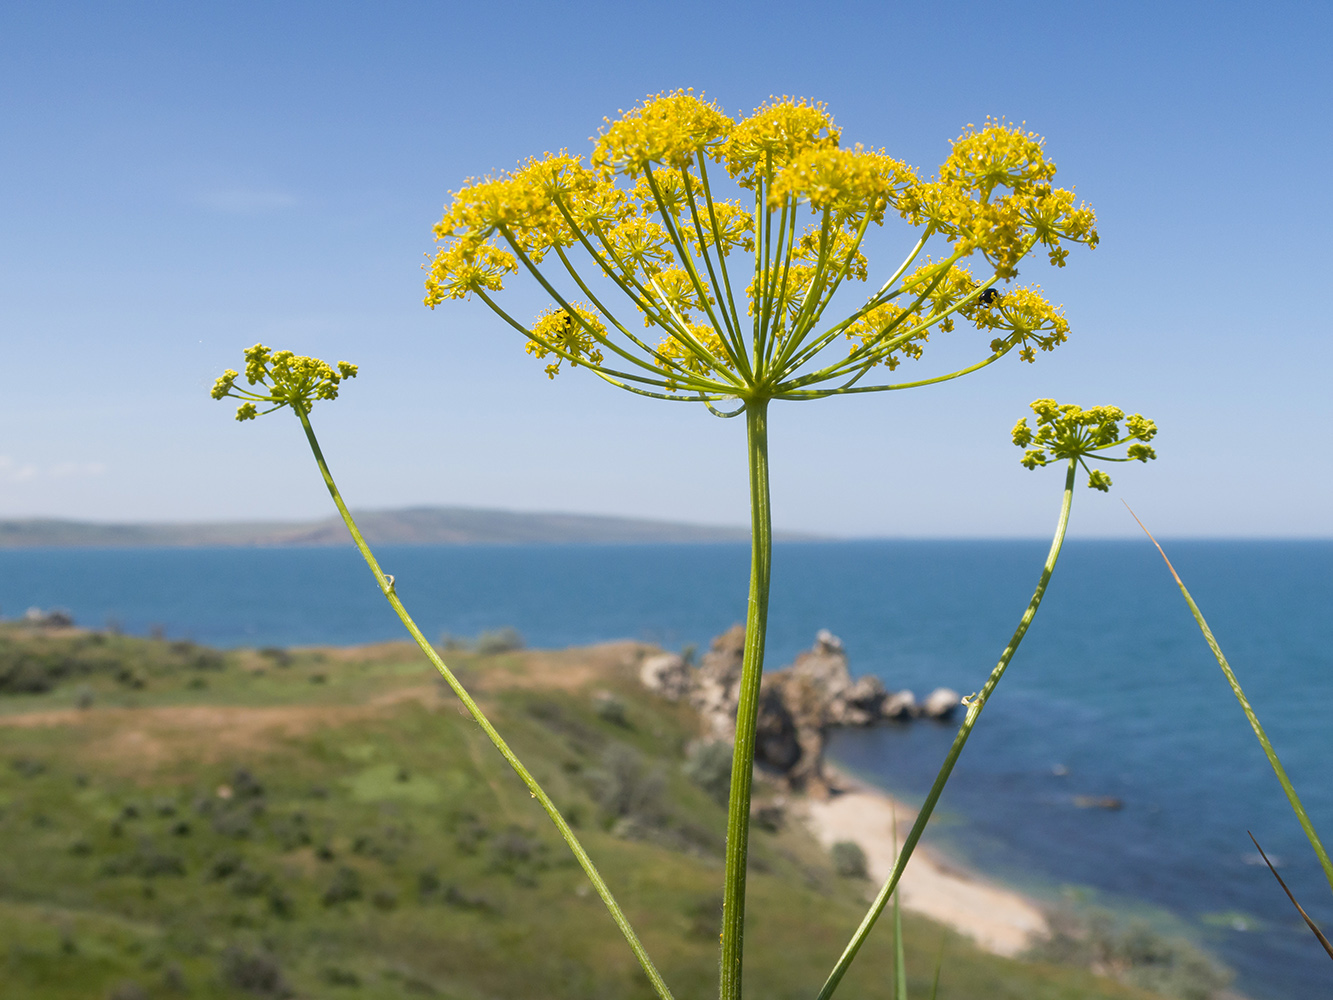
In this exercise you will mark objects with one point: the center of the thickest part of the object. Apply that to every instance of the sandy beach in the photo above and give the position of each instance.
(998, 919)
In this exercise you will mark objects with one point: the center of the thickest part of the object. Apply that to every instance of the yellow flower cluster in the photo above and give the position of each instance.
(787, 291)
(642, 209)
(681, 356)
(734, 230)
(291, 380)
(570, 337)
(994, 156)
(832, 251)
(669, 129)
(884, 324)
(1069, 432)
(775, 135)
(994, 196)
(1021, 314)
(640, 246)
(848, 183)
(1028, 319)
(674, 290)
(465, 266)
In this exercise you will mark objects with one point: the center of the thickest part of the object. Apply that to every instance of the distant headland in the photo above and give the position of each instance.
(408, 526)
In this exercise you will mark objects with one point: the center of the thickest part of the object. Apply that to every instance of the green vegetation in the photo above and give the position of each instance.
(325, 823)
(1134, 952)
(849, 860)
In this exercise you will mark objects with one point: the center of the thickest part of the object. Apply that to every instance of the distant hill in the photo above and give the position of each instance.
(410, 526)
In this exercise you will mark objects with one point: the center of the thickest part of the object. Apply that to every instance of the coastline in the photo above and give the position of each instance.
(998, 919)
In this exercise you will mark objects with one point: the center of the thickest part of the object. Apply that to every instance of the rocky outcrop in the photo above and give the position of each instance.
(798, 704)
(717, 684)
(667, 674)
(54, 618)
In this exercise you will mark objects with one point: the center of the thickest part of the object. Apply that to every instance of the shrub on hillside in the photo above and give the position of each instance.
(849, 860)
(708, 765)
(501, 640)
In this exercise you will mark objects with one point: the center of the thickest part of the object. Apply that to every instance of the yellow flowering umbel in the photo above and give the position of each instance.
(731, 238)
(643, 220)
(291, 380)
(1066, 431)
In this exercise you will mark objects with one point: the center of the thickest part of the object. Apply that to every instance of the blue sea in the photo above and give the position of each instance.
(1112, 694)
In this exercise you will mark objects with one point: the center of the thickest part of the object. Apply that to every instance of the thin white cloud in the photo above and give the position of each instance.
(247, 201)
(22, 472)
(70, 470)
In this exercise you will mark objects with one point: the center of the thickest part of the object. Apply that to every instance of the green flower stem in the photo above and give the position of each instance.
(631, 287)
(731, 334)
(822, 303)
(683, 335)
(576, 361)
(848, 389)
(592, 297)
(974, 706)
(771, 327)
(789, 364)
(747, 710)
(673, 226)
(657, 395)
(727, 308)
(387, 586)
(717, 240)
(1301, 815)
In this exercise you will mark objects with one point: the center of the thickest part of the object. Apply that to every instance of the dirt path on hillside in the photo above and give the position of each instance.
(153, 734)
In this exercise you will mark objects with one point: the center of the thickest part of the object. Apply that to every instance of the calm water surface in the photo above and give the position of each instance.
(1112, 694)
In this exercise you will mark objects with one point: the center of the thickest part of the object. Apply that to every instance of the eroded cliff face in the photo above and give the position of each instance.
(798, 704)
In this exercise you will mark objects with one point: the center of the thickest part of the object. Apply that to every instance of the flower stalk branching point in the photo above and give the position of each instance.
(697, 257)
(286, 379)
(1076, 436)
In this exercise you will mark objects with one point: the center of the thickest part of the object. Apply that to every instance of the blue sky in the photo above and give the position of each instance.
(181, 181)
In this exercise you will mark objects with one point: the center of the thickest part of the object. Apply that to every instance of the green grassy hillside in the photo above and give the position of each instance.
(176, 822)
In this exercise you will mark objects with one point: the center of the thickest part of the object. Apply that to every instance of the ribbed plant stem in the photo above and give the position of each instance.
(974, 706)
(747, 709)
(387, 586)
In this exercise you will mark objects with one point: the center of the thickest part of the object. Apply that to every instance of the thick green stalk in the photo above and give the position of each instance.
(747, 709)
(387, 586)
(974, 706)
(1301, 815)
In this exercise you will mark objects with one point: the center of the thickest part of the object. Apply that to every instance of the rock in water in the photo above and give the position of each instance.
(941, 704)
(900, 705)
